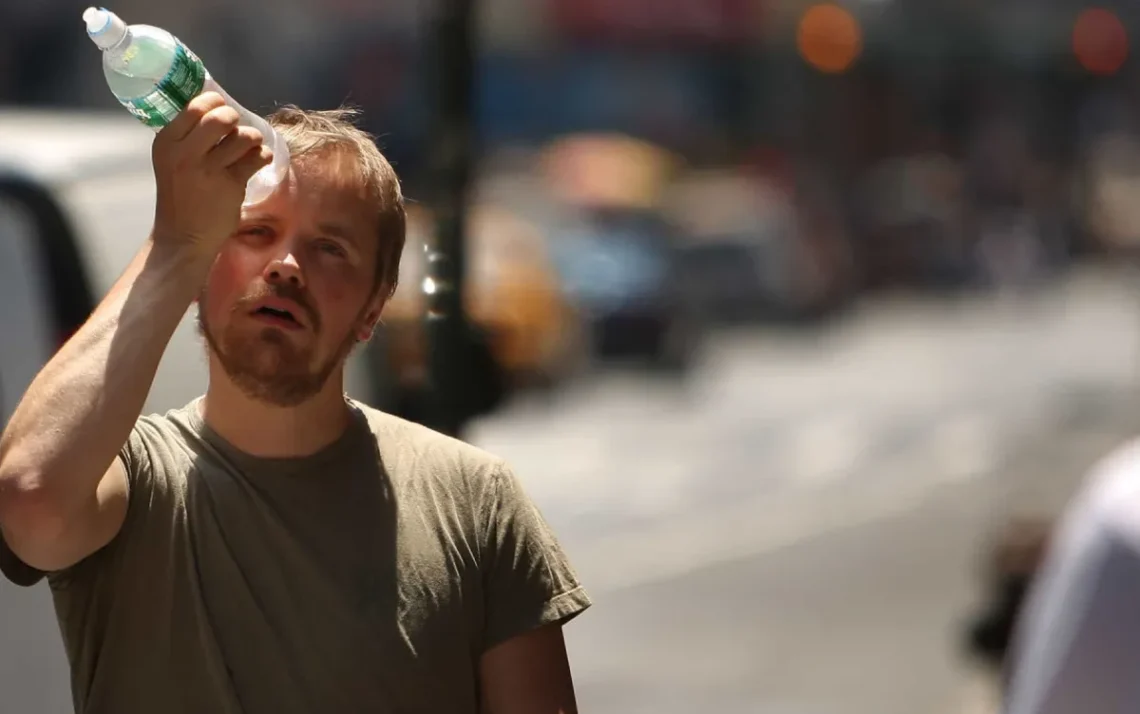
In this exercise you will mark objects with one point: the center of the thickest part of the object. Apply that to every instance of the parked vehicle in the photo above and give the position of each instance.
(752, 254)
(618, 255)
(522, 328)
(622, 267)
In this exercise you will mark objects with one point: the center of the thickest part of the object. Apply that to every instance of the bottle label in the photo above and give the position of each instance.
(182, 83)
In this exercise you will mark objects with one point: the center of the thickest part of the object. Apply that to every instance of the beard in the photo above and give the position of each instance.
(265, 364)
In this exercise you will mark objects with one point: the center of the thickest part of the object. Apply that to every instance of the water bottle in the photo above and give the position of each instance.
(155, 76)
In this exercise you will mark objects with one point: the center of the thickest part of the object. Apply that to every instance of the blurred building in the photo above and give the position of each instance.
(995, 110)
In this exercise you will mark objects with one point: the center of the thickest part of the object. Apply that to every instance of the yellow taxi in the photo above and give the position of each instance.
(513, 299)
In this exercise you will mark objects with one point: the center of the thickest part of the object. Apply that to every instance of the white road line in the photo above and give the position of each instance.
(766, 523)
(965, 447)
(658, 486)
(744, 529)
(826, 449)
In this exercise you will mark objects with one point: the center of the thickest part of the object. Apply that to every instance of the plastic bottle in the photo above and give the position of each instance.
(155, 76)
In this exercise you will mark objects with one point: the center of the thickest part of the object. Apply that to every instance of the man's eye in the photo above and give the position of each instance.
(330, 247)
(255, 231)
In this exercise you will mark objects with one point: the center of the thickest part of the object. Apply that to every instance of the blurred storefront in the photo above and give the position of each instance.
(998, 108)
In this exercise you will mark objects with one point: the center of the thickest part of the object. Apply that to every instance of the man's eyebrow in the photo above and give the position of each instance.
(259, 218)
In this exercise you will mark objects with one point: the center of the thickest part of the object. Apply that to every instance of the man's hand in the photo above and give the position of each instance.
(202, 161)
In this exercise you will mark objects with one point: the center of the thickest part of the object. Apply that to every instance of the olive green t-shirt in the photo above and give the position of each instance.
(368, 577)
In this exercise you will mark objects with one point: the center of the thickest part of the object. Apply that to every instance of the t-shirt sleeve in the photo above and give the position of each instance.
(136, 463)
(1078, 645)
(15, 570)
(528, 581)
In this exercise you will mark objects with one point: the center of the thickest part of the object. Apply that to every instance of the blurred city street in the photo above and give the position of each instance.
(787, 314)
(800, 531)
(797, 527)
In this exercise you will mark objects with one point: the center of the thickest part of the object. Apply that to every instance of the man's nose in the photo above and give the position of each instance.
(285, 269)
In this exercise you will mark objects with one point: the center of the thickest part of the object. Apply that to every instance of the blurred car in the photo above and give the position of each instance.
(34, 316)
(752, 254)
(622, 268)
(617, 255)
(520, 324)
(614, 170)
(738, 248)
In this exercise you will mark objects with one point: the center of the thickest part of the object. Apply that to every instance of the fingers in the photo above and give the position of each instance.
(207, 135)
(215, 125)
(233, 147)
(252, 162)
(188, 118)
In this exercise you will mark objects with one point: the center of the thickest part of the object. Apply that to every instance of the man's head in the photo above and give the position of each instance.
(308, 271)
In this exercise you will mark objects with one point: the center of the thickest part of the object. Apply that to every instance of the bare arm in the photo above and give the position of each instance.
(528, 674)
(63, 492)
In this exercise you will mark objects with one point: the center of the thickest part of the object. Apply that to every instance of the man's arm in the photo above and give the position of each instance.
(528, 674)
(63, 492)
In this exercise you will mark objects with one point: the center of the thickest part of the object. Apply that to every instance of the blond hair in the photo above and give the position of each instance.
(308, 132)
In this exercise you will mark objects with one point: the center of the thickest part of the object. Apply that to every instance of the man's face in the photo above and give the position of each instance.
(292, 290)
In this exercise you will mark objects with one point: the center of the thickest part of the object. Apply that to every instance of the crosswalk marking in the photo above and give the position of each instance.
(965, 447)
(932, 398)
(827, 449)
(647, 469)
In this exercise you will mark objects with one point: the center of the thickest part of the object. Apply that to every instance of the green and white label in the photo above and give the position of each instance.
(182, 83)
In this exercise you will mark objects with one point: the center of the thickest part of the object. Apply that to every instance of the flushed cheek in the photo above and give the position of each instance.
(339, 284)
(225, 286)
(235, 268)
(217, 312)
(338, 292)
(338, 314)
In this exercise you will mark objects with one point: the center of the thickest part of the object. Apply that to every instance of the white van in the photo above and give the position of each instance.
(76, 201)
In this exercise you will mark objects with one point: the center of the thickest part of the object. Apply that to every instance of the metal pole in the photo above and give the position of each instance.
(451, 151)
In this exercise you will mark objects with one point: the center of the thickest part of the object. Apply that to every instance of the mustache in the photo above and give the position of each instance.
(285, 291)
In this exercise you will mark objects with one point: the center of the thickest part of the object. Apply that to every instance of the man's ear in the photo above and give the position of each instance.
(368, 323)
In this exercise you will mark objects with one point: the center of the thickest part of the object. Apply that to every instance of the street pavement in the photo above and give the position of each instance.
(796, 527)
(800, 527)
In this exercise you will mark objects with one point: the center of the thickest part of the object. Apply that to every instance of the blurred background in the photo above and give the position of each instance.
(799, 320)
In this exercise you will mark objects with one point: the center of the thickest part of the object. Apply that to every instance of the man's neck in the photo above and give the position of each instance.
(269, 431)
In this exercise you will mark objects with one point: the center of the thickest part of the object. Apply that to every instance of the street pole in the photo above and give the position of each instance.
(451, 150)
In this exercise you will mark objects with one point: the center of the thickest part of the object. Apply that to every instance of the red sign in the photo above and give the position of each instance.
(705, 21)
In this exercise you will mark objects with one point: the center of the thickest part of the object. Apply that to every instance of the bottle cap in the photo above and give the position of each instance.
(104, 27)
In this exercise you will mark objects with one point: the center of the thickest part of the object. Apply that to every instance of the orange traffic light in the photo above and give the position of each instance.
(829, 38)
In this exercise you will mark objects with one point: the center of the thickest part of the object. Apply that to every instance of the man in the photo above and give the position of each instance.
(1077, 647)
(273, 546)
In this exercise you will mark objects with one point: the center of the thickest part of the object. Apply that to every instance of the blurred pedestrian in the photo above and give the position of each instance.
(1012, 564)
(1077, 647)
(1012, 560)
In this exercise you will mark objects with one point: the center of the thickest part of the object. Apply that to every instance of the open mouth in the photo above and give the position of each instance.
(277, 316)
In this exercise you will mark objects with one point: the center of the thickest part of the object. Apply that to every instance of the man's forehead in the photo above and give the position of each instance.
(317, 197)
(331, 170)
